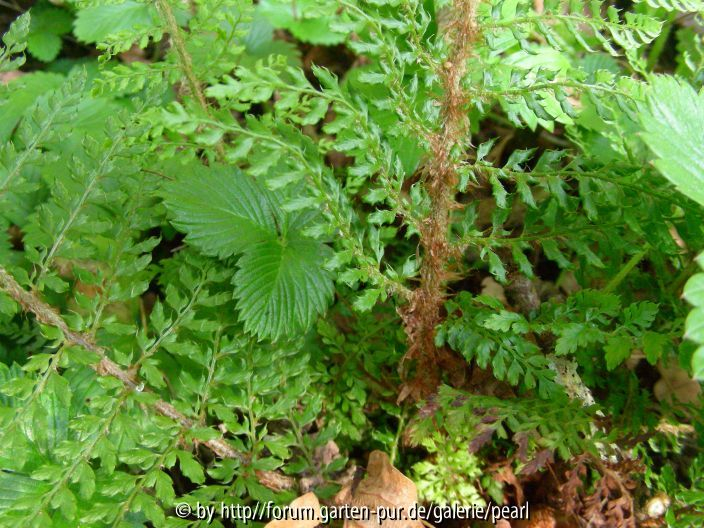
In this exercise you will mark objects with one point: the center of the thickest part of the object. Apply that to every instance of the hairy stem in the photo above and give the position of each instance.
(423, 313)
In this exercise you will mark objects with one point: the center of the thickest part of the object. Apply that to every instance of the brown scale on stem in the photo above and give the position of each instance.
(424, 310)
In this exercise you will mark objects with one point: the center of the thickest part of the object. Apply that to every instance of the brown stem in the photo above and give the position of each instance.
(45, 314)
(423, 312)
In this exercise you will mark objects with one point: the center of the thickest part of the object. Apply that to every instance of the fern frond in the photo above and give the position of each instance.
(630, 32)
(684, 6)
(14, 44)
(45, 121)
(55, 221)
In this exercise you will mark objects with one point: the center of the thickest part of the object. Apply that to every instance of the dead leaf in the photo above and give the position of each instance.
(542, 517)
(275, 481)
(676, 383)
(493, 289)
(383, 489)
(324, 455)
(299, 513)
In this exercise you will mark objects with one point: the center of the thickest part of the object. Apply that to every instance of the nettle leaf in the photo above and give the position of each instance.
(96, 23)
(223, 211)
(281, 285)
(673, 130)
(47, 25)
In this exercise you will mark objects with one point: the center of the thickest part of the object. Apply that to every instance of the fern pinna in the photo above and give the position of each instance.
(242, 241)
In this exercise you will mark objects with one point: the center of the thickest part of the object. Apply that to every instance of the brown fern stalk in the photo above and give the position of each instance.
(424, 310)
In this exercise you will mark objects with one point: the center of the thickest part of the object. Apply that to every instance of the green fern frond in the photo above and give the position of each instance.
(14, 43)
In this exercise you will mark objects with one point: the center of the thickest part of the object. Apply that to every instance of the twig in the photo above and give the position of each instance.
(45, 314)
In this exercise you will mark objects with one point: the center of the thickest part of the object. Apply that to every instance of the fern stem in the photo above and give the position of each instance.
(205, 391)
(172, 327)
(595, 175)
(186, 61)
(625, 270)
(423, 313)
(140, 484)
(489, 240)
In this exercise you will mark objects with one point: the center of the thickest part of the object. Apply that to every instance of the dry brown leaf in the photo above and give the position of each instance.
(324, 455)
(384, 487)
(676, 384)
(493, 289)
(304, 503)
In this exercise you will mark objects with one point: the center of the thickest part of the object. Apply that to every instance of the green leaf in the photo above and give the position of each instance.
(502, 321)
(51, 418)
(654, 346)
(640, 314)
(618, 349)
(222, 210)
(24, 91)
(44, 46)
(281, 286)
(190, 467)
(575, 335)
(95, 24)
(694, 325)
(698, 364)
(15, 42)
(47, 26)
(694, 290)
(303, 19)
(673, 130)
(15, 487)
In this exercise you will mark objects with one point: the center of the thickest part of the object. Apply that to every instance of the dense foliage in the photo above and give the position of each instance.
(243, 244)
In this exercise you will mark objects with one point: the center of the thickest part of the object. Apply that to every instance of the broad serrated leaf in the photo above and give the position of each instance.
(47, 25)
(96, 23)
(222, 210)
(673, 130)
(281, 286)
